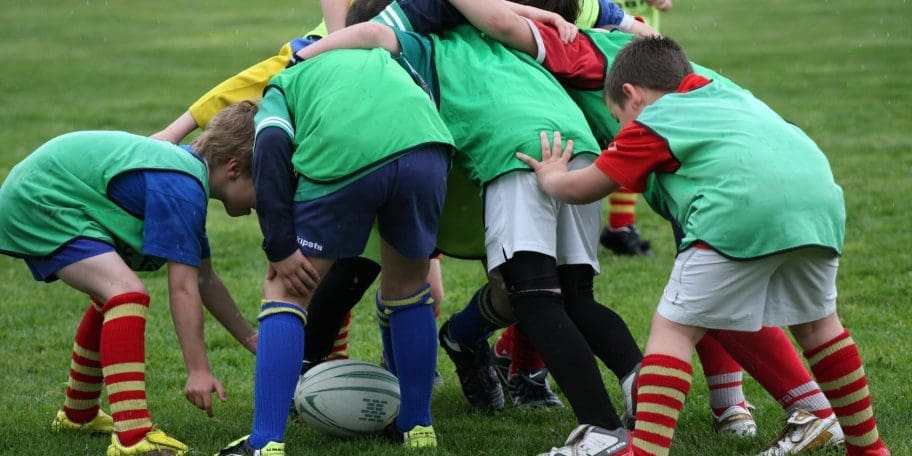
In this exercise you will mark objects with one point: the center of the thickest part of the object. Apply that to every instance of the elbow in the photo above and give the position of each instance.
(504, 27)
(374, 33)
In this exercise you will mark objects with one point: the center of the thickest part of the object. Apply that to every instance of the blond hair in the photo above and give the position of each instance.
(229, 135)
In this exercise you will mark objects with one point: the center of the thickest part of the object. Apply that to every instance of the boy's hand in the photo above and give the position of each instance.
(567, 30)
(642, 29)
(250, 343)
(553, 163)
(297, 45)
(296, 273)
(199, 388)
(661, 5)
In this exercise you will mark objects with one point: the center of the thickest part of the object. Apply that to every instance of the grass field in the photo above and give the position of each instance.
(840, 69)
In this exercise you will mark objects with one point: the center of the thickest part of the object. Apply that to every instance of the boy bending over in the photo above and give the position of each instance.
(705, 157)
(92, 207)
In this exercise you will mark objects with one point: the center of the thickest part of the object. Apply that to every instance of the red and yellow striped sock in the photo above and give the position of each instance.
(340, 345)
(85, 380)
(839, 371)
(622, 212)
(662, 385)
(123, 363)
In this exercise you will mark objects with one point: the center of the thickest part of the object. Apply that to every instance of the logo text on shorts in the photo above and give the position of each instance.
(310, 244)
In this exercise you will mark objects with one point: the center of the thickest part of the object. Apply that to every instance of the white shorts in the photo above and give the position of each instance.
(708, 290)
(520, 217)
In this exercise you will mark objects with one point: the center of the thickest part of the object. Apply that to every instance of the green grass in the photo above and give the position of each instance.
(839, 69)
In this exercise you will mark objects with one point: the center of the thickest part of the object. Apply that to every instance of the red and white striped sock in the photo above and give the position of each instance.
(723, 376)
(769, 356)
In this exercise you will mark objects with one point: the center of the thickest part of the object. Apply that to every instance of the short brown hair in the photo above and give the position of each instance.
(364, 10)
(653, 62)
(229, 135)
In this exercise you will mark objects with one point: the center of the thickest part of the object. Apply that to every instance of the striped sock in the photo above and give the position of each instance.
(340, 345)
(475, 323)
(123, 364)
(280, 349)
(386, 338)
(622, 212)
(723, 376)
(85, 380)
(769, 356)
(838, 367)
(807, 397)
(662, 386)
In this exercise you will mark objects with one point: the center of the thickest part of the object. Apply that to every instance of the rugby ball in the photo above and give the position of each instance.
(347, 398)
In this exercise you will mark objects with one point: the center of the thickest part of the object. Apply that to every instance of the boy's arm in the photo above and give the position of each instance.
(334, 12)
(221, 305)
(500, 22)
(178, 129)
(580, 186)
(187, 316)
(366, 35)
(275, 182)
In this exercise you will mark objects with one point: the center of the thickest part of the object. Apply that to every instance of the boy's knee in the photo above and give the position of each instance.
(530, 271)
(269, 308)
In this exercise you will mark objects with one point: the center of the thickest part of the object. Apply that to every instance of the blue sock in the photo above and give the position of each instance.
(280, 349)
(413, 334)
(384, 323)
(476, 321)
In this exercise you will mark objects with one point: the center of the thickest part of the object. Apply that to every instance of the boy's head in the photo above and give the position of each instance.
(645, 67)
(567, 9)
(227, 147)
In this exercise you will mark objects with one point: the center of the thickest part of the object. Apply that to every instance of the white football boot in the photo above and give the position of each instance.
(805, 432)
(737, 421)
(588, 440)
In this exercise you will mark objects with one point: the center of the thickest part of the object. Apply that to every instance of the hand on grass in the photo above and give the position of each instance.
(199, 389)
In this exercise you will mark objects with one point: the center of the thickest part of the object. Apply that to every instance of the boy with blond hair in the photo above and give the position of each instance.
(90, 208)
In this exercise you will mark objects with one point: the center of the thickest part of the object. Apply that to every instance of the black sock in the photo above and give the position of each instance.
(340, 289)
(605, 331)
(543, 319)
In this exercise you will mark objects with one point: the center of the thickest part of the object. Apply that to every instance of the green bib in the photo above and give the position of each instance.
(750, 184)
(354, 110)
(496, 101)
(592, 102)
(59, 193)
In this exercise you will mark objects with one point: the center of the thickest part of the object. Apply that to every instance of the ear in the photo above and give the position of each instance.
(634, 94)
(233, 168)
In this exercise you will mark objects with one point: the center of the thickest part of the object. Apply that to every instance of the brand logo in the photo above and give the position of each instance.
(310, 244)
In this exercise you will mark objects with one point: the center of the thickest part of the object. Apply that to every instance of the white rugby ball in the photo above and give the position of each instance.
(347, 398)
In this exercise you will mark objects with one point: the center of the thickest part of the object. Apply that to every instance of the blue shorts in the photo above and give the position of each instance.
(45, 268)
(404, 196)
